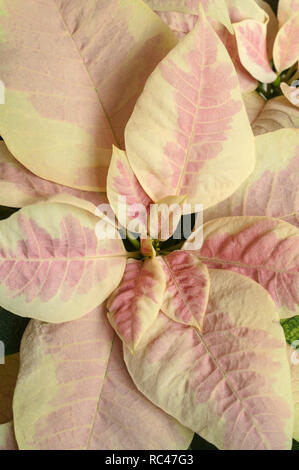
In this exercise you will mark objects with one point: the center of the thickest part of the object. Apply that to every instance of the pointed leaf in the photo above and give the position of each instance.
(252, 46)
(294, 365)
(230, 383)
(182, 6)
(179, 23)
(278, 113)
(52, 265)
(272, 28)
(19, 187)
(214, 9)
(125, 194)
(71, 103)
(74, 392)
(254, 104)
(196, 143)
(7, 437)
(146, 248)
(286, 46)
(291, 93)
(247, 82)
(135, 304)
(272, 189)
(8, 377)
(218, 10)
(187, 288)
(265, 249)
(286, 9)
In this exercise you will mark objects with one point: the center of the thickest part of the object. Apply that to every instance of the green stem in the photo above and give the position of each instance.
(133, 241)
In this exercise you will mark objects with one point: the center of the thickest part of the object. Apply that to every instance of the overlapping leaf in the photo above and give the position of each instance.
(291, 93)
(265, 249)
(254, 105)
(196, 146)
(272, 189)
(187, 288)
(252, 46)
(230, 383)
(286, 9)
(126, 196)
(66, 106)
(74, 393)
(52, 265)
(286, 46)
(135, 305)
(19, 187)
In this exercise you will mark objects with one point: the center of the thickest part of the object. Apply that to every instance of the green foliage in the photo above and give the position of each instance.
(291, 328)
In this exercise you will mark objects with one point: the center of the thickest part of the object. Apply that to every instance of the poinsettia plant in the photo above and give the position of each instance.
(143, 332)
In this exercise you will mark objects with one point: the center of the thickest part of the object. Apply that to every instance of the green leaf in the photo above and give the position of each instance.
(291, 328)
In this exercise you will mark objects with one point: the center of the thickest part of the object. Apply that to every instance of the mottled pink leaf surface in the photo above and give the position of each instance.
(187, 288)
(126, 195)
(246, 81)
(7, 437)
(135, 304)
(286, 9)
(180, 23)
(286, 46)
(71, 103)
(230, 383)
(291, 93)
(251, 38)
(19, 187)
(265, 249)
(272, 189)
(203, 125)
(52, 265)
(74, 392)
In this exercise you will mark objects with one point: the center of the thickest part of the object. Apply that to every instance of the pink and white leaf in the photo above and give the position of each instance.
(286, 46)
(71, 103)
(272, 189)
(187, 288)
(291, 93)
(53, 267)
(252, 46)
(74, 393)
(195, 144)
(229, 383)
(129, 201)
(134, 306)
(286, 9)
(19, 187)
(264, 249)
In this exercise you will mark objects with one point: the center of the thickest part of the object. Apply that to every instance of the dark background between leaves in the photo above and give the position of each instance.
(12, 326)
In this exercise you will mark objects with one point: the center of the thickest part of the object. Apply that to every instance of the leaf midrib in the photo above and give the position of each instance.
(88, 73)
(244, 265)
